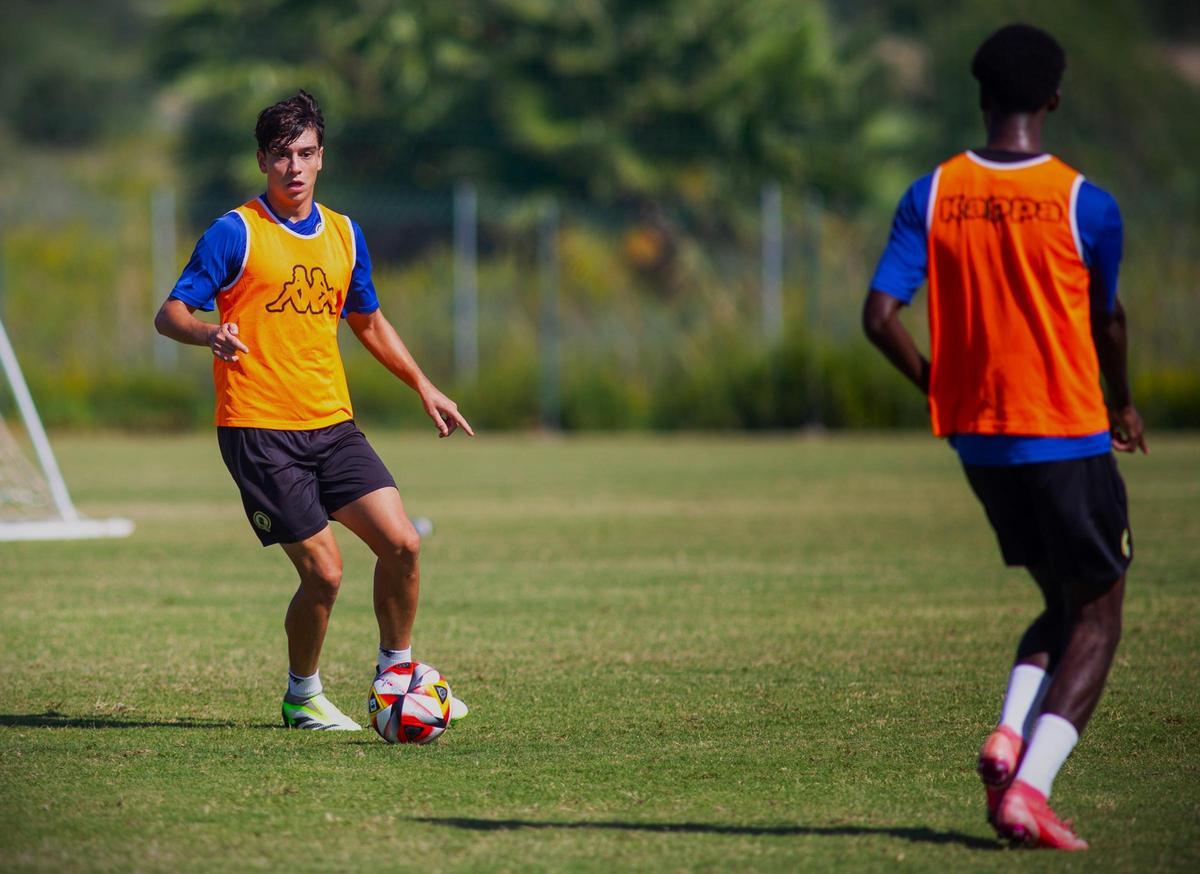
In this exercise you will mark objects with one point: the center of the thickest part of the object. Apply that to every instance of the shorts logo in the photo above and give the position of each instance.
(1126, 546)
(307, 292)
(261, 520)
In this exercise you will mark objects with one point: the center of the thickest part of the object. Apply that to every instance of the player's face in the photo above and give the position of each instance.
(292, 170)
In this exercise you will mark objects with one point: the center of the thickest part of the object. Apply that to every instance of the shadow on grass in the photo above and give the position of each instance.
(54, 719)
(917, 834)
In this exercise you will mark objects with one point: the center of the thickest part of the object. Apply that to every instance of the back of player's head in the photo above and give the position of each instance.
(1019, 68)
(283, 123)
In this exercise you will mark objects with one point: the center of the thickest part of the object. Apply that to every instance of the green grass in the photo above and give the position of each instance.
(680, 654)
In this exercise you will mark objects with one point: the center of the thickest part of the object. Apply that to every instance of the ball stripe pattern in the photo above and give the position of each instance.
(409, 703)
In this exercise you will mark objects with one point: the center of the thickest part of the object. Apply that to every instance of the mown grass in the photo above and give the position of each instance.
(683, 654)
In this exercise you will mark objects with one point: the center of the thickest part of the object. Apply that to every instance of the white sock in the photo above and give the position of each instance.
(389, 657)
(304, 688)
(1027, 685)
(1052, 741)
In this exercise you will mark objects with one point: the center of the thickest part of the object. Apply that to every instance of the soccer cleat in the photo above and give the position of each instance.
(1025, 817)
(458, 709)
(998, 759)
(317, 714)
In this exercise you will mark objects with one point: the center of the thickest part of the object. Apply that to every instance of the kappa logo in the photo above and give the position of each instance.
(261, 520)
(308, 291)
(1126, 544)
(958, 208)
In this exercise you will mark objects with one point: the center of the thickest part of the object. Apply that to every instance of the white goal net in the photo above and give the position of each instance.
(34, 502)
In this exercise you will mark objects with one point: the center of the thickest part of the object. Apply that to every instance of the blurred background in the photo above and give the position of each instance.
(583, 214)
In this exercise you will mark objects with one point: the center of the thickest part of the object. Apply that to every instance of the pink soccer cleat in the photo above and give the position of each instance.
(1025, 816)
(998, 759)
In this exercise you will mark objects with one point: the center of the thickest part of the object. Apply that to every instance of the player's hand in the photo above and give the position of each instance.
(224, 342)
(444, 413)
(1128, 432)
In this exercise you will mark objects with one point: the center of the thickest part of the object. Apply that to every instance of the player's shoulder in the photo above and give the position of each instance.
(339, 220)
(1088, 189)
(915, 201)
(228, 228)
(1097, 198)
(328, 212)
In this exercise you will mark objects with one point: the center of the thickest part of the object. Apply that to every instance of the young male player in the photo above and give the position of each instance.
(1021, 255)
(283, 271)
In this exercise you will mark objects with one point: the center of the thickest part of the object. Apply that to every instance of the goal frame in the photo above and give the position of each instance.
(68, 524)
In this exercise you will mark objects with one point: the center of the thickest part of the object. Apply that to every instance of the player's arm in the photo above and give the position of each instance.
(376, 333)
(1111, 338)
(882, 325)
(901, 271)
(175, 320)
(216, 260)
(1102, 234)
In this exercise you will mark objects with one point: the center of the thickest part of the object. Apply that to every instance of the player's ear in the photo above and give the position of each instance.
(262, 160)
(1055, 99)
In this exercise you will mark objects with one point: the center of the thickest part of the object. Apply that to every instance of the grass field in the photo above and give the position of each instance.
(681, 654)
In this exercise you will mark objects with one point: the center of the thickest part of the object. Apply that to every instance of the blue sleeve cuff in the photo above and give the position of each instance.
(215, 263)
(1101, 236)
(361, 296)
(904, 264)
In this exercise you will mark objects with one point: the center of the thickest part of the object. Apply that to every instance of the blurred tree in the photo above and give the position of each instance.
(73, 71)
(1128, 118)
(621, 102)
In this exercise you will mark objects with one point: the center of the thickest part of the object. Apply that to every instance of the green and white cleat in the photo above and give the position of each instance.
(316, 714)
(458, 709)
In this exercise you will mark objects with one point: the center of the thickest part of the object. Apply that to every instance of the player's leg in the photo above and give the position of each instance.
(1005, 495)
(1092, 639)
(379, 520)
(1087, 524)
(319, 564)
(360, 493)
(1072, 696)
(276, 477)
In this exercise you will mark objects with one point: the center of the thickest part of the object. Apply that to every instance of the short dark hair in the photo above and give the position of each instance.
(1019, 68)
(283, 123)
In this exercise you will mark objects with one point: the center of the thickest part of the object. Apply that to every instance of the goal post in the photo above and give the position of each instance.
(37, 506)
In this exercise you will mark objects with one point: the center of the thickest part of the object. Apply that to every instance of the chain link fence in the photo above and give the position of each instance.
(540, 311)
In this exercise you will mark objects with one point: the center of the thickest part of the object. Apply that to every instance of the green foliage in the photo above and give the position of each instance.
(1169, 398)
(74, 72)
(617, 102)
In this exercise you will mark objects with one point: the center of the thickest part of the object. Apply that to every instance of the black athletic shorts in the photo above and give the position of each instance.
(1070, 516)
(292, 481)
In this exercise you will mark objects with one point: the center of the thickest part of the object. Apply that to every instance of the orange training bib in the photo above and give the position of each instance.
(1009, 307)
(287, 303)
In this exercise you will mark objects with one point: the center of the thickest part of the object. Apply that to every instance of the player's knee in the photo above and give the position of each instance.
(1103, 627)
(324, 580)
(406, 546)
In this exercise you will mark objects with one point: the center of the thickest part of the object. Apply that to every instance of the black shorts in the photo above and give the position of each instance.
(293, 481)
(1069, 516)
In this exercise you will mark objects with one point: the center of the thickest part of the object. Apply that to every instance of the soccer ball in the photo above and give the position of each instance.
(409, 703)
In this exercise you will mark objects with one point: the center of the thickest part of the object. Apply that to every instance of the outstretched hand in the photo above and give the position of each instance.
(1128, 431)
(225, 343)
(444, 413)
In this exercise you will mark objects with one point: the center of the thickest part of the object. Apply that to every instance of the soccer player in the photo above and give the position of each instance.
(1021, 255)
(284, 271)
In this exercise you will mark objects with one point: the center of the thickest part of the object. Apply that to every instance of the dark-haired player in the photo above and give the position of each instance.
(1021, 255)
(284, 271)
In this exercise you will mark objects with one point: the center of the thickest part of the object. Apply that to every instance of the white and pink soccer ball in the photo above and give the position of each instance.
(409, 703)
